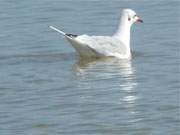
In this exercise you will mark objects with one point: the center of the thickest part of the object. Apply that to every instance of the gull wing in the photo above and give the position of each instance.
(95, 46)
(104, 45)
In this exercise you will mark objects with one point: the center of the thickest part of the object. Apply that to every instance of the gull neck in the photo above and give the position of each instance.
(123, 31)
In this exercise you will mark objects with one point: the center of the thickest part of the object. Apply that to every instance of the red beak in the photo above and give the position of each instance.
(139, 20)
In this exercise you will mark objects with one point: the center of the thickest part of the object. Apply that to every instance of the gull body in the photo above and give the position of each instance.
(117, 45)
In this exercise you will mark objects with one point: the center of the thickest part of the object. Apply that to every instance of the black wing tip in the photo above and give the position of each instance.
(71, 35)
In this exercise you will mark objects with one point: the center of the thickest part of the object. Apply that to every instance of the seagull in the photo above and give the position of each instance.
(117, 45)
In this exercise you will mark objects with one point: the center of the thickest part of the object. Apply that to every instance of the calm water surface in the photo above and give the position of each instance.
(45, 89)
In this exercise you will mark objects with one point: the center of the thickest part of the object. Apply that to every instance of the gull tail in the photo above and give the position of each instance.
(83, 49)
(59, 31)
(63, 33)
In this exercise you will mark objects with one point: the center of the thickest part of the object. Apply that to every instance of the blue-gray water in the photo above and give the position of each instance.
(46, 90)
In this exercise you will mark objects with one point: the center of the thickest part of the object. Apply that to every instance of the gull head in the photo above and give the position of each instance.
(131, 16)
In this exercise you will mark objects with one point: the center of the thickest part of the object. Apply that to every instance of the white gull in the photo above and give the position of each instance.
(117, 45)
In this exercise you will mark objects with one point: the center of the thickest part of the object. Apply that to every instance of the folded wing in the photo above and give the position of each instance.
(102, 45)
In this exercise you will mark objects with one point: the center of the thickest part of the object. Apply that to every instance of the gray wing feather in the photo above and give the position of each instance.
(104, 44)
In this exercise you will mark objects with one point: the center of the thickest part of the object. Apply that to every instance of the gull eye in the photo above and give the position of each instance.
(129, 19)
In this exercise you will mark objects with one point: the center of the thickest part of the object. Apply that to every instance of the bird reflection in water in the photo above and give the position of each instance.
(110, 82)
(118, 72)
